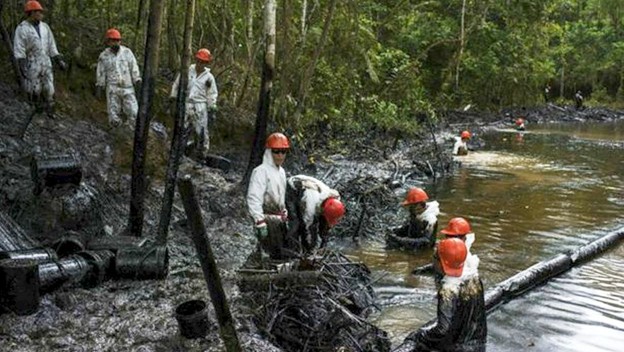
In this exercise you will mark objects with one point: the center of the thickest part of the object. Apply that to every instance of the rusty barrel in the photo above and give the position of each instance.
(55, 170)
(68, 244)
(19, 284)
(143, 263)
(102, 264)
(68, 270)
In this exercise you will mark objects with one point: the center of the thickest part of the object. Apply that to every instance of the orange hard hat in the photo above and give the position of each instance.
(465, 134)
(519, 121)
(452, 253)
(204, 55)
(277, 141)
(457, 227)
(32, 5)
(113, 33)
(415, 195)
(333, 211)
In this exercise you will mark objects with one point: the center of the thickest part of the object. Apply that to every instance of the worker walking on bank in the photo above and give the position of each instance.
(578, 100)
(117, 74)
(35, 49)
(461, 323)
(313, 208)
(460, 147)
(266, 198)
(201, 101)
(420, 230)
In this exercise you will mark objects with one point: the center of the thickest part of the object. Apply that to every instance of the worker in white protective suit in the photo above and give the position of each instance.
(35, 49)
(201, 102)
(266, 199)
(313, 208)
(117, 74)
(460, 147)
(419, 232)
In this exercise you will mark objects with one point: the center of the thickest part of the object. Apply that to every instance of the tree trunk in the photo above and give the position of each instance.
(6, 38)
(462, 43)
(177, 141)
(251, 52)
(307, 78)
(137, 25)
(141, 131)
(264, 100)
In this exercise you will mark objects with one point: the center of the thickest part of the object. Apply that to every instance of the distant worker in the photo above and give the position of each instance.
(35, 49)
(117, 74)
(313, 208)
(547, 93)
(266, 198)
(420, 229)
(461, 323)
(578, 100)
(201, 101)
(520, 124)
(460, 147)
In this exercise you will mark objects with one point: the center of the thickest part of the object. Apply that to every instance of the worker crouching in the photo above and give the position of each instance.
(420, 230)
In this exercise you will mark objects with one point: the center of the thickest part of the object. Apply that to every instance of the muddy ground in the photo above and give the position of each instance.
(139, 315)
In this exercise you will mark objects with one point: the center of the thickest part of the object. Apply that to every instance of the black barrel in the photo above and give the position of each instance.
(142, 264)
(192, 317)
(70, 243)
(55, 170)
(102, 266)
(39, 255)
(72, 269)
(19, 284)
(114, 243)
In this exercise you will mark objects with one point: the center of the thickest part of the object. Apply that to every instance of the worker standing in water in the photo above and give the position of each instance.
(420, 230)
(520, 124)
(461, 322)
(460, 147)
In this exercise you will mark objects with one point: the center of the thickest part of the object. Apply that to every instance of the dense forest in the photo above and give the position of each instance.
(361, 65)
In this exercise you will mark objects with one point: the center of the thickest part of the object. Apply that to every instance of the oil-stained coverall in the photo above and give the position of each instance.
(119, 72)
(419, 231)
(266, 202)
(201, 97)
(34, 45)
(304, 197)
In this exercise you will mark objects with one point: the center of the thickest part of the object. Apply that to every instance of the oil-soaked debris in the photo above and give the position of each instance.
(320, 304)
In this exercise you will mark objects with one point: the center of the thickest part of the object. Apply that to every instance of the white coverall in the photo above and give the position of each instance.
(118, 73)
(266, 194)
(38, 49)
(314, 194)
(460, 147)
(201, 94)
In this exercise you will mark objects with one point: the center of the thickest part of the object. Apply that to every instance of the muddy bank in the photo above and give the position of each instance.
(139, 315)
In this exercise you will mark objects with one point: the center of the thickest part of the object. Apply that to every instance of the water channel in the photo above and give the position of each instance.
(528, 197)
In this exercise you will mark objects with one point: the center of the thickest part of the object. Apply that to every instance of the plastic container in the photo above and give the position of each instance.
(192, 317)
(19, 285)
(102, 267)
(72, 269)
(39, 255)
(142, 264)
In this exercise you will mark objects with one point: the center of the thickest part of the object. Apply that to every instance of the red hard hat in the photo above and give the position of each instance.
(457, 227)
(333, 211)
(277, 141)
(32, 5)
(204, 55)
(112, 33)
(452, 253)
(519, 121)
(415, 195)
(465, 134)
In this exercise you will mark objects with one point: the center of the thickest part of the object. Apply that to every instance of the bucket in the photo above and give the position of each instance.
(39, 255)
(102, 267)
(72, 269)
(142, 264)
(192, 318)
(20, 286)
(55, 170)
(70, 243)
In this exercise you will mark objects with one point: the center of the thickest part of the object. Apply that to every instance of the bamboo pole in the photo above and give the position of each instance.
(209, 265)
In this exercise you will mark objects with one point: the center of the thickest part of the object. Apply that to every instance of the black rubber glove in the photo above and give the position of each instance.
(62, 65)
